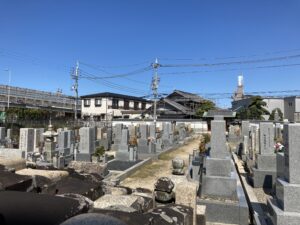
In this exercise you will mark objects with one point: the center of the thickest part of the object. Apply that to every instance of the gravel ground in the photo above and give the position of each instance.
(147, 175)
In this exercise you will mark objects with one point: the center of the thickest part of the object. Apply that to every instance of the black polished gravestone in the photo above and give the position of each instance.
(24, 208)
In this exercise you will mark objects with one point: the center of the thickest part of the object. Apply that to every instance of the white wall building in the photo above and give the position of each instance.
(106, 105)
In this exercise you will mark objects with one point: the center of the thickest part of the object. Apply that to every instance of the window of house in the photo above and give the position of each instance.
(98, 102)
(126, 104)
(115, 103)
(136, 105)
(143, 105)
(87, 102)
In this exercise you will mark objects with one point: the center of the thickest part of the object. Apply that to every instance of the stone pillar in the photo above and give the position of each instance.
(264, 172)
(285, 207)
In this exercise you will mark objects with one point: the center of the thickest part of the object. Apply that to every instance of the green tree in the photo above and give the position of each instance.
(204, 107)
(255, 110)
(280, 114)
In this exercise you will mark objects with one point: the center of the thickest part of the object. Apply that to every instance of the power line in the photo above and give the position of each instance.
(117, 66)
(233, 69)
(231, 57)
(234, 62)
(142, 70)
(94, 78)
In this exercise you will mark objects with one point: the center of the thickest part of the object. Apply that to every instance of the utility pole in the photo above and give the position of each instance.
(155, 82)
(75, 75)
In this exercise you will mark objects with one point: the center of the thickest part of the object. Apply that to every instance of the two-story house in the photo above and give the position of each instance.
(106, 105)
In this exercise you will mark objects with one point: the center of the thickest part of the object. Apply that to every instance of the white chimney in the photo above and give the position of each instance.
(240, 80)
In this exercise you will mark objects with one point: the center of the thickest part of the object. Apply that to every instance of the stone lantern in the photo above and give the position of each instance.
(50, 145)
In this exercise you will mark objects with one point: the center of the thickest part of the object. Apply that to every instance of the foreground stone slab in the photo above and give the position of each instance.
(130, 201)
(53, 175)
(19, 208)
(89, 167)
(14, 182)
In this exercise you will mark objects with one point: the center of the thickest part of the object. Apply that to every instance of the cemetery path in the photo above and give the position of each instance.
(148, 174)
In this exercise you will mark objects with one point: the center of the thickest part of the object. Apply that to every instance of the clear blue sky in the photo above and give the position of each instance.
(40, 40)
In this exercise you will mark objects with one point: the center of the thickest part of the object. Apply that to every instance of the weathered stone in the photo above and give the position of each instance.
(89, 167)
(164, 184)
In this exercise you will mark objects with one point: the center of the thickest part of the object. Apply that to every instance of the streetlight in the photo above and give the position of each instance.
(8, 87)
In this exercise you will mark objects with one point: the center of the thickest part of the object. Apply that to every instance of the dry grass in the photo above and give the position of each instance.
(146, 176)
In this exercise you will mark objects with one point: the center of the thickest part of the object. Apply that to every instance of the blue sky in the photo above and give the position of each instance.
(40, 40)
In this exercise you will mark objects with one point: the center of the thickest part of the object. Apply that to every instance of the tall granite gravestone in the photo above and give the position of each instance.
(38, 138)
(26, 143)
(167, 134)
(86, 144)
(221, 191)
(245, 128)
(285, 208)
(264, 172)
(102, 139)
(62, 142)
(116, 136)
(143, 146)
(123, 151)
(152, 138)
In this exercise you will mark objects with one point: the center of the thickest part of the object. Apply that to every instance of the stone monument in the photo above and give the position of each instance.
(264, 172)
(285, 208)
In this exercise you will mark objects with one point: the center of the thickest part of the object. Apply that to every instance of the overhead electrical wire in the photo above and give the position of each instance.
(233, 62)
(232, 69)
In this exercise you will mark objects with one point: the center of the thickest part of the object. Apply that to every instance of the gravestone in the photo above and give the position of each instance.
(245, 128)
(100, 132)
(62, 142)
(284, 208)
(152, 131)
(264, 172)
(38, 138)
(167, 134)
(132, 130)
(86, 144)
(220, 190)
(123, 151)
(234, 134)
(116, 136)
(26, 143)
(143, 146)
